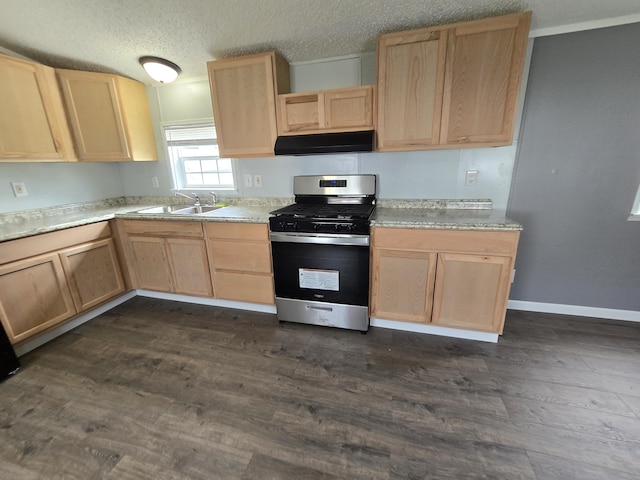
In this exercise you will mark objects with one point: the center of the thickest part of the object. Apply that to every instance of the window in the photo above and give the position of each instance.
(195, 160)
(635, 210)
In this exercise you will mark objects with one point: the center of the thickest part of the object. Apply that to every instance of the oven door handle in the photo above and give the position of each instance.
(320, 238)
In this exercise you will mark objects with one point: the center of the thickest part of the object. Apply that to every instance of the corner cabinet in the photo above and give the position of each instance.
(167, 256)
(240, 257)
(451, 86)
(450, 278)
(327, 111)
(49, 278)
(109, 116)
(33, 126)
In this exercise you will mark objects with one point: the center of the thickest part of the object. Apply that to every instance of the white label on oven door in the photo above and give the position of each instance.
(319, 279)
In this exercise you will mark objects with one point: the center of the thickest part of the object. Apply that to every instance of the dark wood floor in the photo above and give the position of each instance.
(163, 390)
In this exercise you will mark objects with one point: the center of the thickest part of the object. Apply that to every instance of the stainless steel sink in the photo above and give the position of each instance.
(161, 209)
(196, 210)
(180, 209)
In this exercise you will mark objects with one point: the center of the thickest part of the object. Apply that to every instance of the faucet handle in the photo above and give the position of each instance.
(196, 198)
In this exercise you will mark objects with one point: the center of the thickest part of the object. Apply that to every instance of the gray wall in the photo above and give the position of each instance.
(578, 170)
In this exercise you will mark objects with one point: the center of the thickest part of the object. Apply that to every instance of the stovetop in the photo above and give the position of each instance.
(350, 219)
(336, 204)
(326, 212)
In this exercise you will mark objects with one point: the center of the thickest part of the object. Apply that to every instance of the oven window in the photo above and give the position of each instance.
(321, 273)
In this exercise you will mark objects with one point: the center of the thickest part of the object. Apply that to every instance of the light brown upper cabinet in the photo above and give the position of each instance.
(243, 93)
(451, 86)
(33, 126)
(410, 85)
(338, 110)
(109, 116)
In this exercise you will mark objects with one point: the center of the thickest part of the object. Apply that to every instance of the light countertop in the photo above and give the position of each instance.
(406, 214)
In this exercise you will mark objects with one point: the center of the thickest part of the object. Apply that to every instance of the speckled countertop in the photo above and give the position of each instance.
(449, 214)
(442, 214)
(32, 222)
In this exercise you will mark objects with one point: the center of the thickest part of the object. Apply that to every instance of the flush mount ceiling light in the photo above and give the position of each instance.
(159, 69)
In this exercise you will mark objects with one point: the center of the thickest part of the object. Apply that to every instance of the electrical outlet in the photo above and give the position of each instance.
(19, 189)
(472, 178)
(257, 181)
(154, 182)
(247, 180)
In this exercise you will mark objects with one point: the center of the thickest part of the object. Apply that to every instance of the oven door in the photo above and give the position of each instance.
(321, 267)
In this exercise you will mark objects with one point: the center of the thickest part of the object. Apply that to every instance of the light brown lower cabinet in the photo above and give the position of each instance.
(240, 257)
(93, 273)
(167, 256)
(450, 278)
(49, 278)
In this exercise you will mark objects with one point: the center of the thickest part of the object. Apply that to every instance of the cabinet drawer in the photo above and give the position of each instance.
(242, 256)
(244, 287)
(14, 250)
(163, 228)
(462, 241)
(237, 231)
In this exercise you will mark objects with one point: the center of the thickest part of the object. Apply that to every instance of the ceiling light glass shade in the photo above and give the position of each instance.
(159, 69)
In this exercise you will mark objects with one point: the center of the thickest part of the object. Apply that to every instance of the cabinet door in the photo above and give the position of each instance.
(189, 266)
(95, 115)
(410, 85)
(338, 110)
(150, 263)
(93, 273)
(243, 93)
(349, 108)
(471, 291)
(32, 122)
(300, 113)
(402, 285)
(485, 60)
(34, 296)
(244, 287)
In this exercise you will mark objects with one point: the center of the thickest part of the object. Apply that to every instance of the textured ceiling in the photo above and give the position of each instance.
(110, 35)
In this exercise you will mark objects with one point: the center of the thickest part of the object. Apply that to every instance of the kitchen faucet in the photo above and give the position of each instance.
(214, 198)
(195, 198)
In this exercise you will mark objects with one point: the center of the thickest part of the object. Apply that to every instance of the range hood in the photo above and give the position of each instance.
(319, 143)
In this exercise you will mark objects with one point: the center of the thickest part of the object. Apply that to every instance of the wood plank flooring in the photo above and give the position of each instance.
(163, 390)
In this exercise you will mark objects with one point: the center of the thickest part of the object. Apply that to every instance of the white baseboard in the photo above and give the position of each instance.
(214, 302)
(594, 312)
(71, 324)
(434, 330)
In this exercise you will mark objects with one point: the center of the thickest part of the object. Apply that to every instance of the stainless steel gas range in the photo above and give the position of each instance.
(320, 248)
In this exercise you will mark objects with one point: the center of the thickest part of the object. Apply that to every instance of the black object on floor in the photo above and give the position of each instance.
(8, 361)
